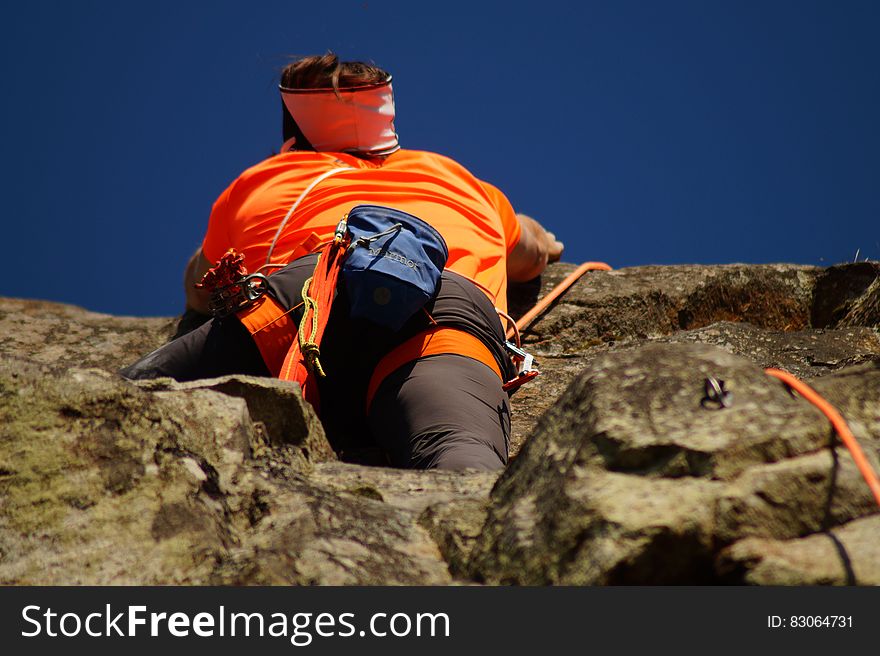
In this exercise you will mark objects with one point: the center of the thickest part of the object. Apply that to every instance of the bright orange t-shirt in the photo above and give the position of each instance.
(476, 219)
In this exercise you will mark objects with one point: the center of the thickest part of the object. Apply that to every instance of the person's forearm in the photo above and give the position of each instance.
(196, 299)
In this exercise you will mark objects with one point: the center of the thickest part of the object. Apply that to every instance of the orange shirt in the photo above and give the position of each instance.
(476, 219)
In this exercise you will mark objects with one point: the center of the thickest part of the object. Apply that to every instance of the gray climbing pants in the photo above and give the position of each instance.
(441, 411)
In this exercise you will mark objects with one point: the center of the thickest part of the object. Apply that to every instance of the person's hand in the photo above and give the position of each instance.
(554, 246)
(535, 249)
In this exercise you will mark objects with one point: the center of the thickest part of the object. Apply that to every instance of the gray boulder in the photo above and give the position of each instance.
(104, 482)
(629, 478)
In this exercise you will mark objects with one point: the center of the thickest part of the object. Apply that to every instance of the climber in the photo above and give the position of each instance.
(428, 402)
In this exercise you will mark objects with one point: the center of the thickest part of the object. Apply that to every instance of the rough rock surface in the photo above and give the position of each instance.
(622, 471)
(104, 482)
(68, 336)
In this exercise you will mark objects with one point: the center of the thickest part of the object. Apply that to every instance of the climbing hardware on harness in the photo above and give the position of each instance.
(231, 288)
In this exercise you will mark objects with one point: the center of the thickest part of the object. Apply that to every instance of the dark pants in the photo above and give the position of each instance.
(441, 411)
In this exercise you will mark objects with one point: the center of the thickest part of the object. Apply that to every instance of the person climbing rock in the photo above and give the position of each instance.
(428, 392)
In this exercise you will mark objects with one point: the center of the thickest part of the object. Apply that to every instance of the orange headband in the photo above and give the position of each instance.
(354, 119)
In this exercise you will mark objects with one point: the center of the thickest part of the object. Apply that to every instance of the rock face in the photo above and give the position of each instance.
(623, 471)
(629, 479)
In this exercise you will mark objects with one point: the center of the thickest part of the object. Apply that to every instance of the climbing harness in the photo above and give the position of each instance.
(391, 263)
(437, 340)
(839, 424)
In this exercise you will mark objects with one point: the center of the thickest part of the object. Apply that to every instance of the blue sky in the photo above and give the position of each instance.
(640, 132)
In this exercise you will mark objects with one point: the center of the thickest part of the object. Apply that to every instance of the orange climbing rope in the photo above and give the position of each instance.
(839, 424)
(526, 320)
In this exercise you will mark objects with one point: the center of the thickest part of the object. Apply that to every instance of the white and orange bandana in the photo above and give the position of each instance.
(354, 119)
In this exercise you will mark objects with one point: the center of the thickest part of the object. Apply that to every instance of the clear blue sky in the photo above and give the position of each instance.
(640, 132)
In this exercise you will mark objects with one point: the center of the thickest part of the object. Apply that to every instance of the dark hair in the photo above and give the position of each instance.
(327, 72)
(323, 72)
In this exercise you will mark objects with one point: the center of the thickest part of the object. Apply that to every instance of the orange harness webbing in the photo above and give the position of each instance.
(272, 330)
(302, 356)
(839, 423)
(437, 340)
(281, 347)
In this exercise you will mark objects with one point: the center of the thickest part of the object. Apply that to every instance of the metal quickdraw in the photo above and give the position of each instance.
(232, 288)
(526, 367)
(239, 295)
